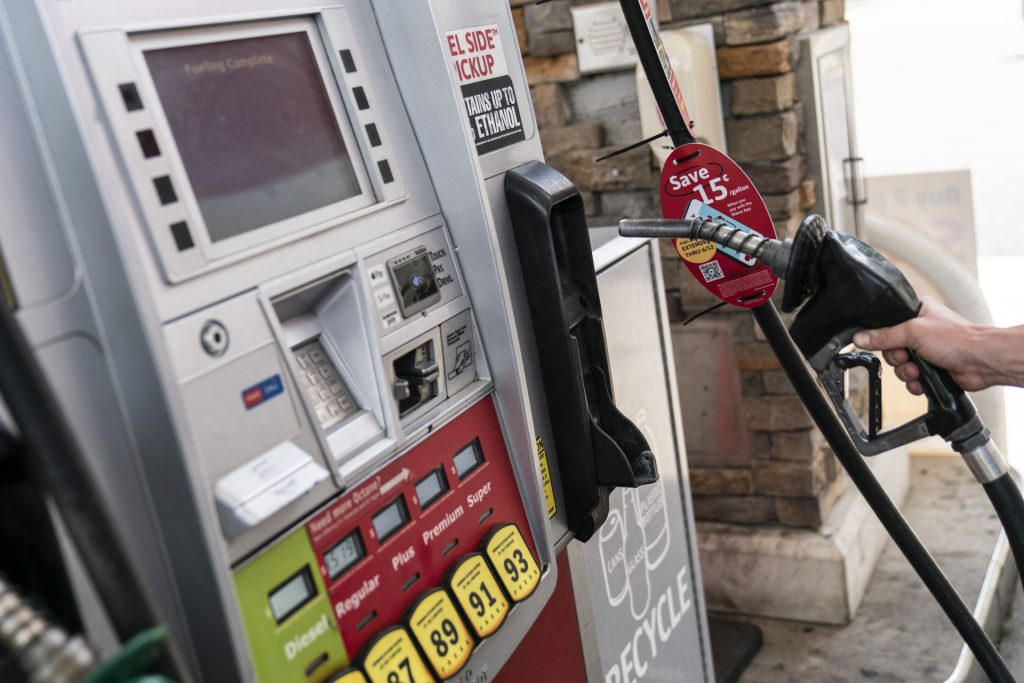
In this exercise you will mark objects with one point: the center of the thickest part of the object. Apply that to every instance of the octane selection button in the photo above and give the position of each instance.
(441, 633)
(512, 560)
(347, 676)
(392, 658)
(478, 594)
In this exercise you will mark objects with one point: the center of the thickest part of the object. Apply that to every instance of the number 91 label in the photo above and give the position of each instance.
(442, 635)
(392, 658)
(513, 562)
(479, 595)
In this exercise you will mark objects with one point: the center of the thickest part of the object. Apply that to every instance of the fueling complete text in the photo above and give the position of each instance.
(488, 94)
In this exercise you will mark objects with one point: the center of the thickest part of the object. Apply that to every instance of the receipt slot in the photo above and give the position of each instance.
(264, 255)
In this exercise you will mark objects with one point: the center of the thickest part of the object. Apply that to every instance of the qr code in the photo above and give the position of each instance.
(711, 271)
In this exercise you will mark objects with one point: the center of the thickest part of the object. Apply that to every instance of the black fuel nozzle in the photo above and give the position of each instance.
(841, 285)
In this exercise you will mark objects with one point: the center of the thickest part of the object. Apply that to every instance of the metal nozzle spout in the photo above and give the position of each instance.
(773, 253)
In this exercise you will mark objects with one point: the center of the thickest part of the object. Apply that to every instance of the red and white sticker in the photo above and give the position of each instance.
(700, 181)
(492, 105)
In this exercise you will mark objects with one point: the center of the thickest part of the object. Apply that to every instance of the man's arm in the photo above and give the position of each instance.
(976, 356)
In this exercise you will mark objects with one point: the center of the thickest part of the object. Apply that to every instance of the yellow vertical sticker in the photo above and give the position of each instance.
(478, 594)
(349, 676)
(545, 478)
(392, 658)
(507, 550)
(441, 633)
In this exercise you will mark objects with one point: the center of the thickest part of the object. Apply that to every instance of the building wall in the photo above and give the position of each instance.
(755, 458)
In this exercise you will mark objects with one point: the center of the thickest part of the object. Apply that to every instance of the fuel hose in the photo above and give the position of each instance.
(59, 465)
(644, 34)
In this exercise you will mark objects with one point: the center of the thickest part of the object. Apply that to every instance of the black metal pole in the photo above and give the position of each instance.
(60, 467)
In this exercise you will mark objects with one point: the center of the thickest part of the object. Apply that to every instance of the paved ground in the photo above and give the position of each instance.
(899, 634)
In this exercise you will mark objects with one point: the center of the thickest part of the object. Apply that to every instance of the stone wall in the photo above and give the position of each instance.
(754, 456)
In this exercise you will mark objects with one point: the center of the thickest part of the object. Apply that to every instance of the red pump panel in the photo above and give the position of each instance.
(420, 545)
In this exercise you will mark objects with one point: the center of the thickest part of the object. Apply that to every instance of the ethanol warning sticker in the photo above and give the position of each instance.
(507, 550)
(479, 595)
(545, 478)
(393, 658)
(441, 633)
(492, 105)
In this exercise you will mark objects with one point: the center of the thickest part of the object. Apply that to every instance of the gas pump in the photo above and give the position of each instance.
(265, 256)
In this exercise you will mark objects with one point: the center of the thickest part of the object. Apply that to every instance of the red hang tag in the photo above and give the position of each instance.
(698, 181)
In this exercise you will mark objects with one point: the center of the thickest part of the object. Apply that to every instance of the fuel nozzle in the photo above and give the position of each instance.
(841, 285)
(792, 259)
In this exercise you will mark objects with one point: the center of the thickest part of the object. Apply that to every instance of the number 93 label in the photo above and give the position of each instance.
(442, 635)
(392, 658)
(507, 550)
(479, 595)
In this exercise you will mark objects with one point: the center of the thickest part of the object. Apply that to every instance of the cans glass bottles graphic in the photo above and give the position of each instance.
(652, 510)
(611, 538)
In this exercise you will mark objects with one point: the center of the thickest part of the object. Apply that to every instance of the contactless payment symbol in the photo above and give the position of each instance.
(512, 560)
(478, 594)
(441, 633)
(698, 181)
(393, 658)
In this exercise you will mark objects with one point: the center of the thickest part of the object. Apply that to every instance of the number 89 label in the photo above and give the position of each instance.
(507, 550)
(479, 595)
(439, 630)
(392, 658)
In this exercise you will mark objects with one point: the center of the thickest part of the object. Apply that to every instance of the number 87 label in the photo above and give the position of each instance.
(507, 550)
(392, 658)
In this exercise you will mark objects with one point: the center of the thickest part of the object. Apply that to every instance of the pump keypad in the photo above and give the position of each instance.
(327, 392)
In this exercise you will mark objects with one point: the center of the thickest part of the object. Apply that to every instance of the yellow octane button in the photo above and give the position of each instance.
(478, 594)
(392, 658)
(441, 633)
(347, 676)
(514, 564)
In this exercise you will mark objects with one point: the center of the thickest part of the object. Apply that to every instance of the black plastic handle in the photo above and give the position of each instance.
(597, 447)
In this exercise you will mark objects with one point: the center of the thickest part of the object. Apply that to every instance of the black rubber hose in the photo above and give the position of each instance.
(1006, 499)
(917, 555)
(59, 467)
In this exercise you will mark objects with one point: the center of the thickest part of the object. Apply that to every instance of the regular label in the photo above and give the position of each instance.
(441, 633)
(507, 550)
(492, 105)
(350, 676)
(698, 181)
(392, 658)
(479, 595)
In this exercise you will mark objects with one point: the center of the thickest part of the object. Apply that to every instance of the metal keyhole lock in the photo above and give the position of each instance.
(214, 338)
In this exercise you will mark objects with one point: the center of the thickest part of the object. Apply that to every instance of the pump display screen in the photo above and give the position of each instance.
(344, 554)
(467, 460)
(291, 595)
(390, 519)
(255, 129)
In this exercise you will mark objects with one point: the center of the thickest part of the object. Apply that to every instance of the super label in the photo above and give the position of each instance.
(479, 595)
(700, 182)
(507, 550)
(441, 633)
(392, 658)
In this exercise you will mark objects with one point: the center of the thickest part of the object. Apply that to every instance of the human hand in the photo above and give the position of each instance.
(942, 338)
